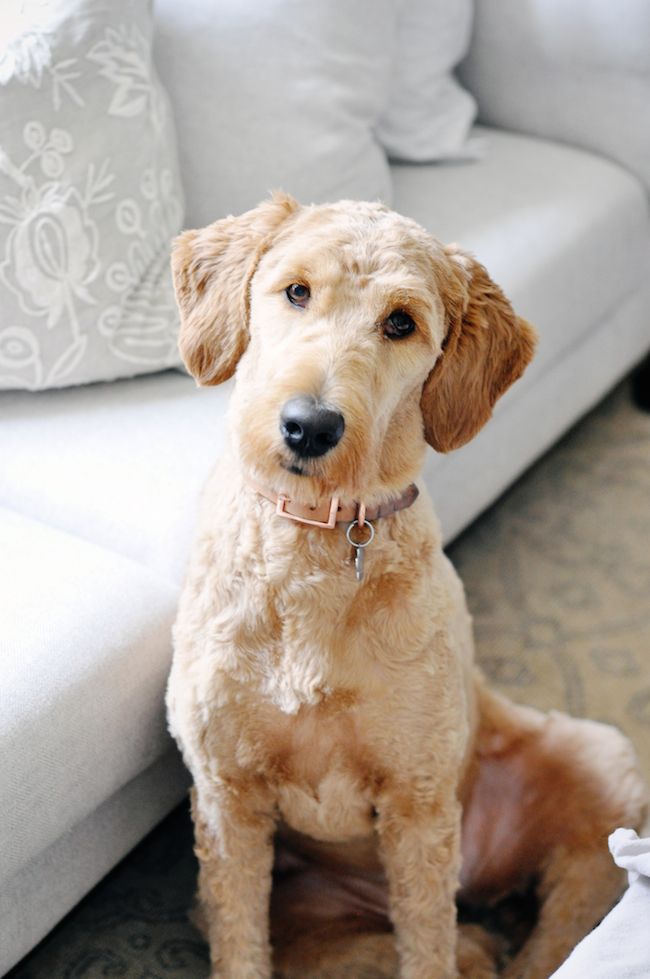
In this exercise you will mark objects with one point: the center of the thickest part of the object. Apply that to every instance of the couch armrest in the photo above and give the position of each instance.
(577, 71)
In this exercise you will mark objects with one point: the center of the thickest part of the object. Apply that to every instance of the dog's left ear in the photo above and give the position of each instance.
(212, 269)
(487, 347)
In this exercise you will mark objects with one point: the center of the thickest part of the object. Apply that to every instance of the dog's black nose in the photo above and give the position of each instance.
(310, 428)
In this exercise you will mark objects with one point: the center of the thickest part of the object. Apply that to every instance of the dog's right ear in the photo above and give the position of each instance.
(212, 269)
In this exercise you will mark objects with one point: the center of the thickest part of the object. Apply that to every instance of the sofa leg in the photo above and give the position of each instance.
(641, 384)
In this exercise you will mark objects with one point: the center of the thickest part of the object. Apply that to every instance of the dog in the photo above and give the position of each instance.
(323, 685)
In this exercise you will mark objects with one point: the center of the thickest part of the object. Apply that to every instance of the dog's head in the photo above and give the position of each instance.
(355, 335)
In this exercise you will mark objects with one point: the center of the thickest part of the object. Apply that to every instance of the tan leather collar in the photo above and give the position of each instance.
(331, 512)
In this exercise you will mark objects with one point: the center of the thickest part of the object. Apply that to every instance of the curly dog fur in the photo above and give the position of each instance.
(346, 719)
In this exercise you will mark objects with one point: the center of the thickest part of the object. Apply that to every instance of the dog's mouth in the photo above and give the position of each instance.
(306, 470)
(330, 474)
(294, 469)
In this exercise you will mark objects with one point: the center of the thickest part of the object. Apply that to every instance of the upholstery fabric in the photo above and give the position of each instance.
(577, 72)
(119, 464)
(85, 649)
(276, 94)
(565, 233)
(90, 196)
(429, 115)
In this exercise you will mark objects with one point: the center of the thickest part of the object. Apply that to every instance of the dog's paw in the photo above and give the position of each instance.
(478, 953)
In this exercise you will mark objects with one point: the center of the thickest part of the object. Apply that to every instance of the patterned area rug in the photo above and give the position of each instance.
(558, 578)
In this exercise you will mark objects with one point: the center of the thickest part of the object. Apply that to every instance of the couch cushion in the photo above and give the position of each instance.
(119, 464)
(276, 94)
(577, 72)
(428, 115)
(85, 649)
(565, 233)
(46, 887)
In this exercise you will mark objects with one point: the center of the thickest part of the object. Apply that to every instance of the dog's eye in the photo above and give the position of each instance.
(399, 324)
(298, 294)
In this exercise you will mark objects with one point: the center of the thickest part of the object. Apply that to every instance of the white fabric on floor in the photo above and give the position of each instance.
(619, 947)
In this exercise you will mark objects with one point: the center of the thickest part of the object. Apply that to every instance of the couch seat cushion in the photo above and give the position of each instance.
(85, 649)
(564, 232)
(119, 464)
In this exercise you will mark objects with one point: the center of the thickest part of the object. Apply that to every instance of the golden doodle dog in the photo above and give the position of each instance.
(323, 683)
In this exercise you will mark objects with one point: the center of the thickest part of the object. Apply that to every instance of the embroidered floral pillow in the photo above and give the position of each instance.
(89, 195)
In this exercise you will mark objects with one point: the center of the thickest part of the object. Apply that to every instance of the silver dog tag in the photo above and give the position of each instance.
(360, 546)
(358, 562)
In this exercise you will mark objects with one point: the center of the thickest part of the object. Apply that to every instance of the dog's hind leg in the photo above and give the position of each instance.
(333, 924)
(577, 889)
(324, 954)
(547, 790)
(330, 924)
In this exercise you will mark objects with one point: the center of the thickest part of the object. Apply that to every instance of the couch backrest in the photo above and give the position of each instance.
(577, 71)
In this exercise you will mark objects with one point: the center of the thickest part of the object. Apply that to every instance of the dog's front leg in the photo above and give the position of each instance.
(419, 838)
(234, 827)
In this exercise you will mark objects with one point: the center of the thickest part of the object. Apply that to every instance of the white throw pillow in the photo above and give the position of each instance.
(428, 115)
(276, 94)
(90, 195)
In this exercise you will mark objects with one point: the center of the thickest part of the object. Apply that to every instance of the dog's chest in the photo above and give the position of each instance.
(322, 773)
(336, 810)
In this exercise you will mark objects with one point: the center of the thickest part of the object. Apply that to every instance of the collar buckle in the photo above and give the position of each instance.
(329, 524)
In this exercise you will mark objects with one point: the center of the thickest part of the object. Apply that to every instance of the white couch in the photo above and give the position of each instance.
(99, 484)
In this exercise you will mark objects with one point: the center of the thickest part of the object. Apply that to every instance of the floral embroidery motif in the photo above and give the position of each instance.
(84, 237)
(51, 250)
(124, 58)
(19, 351)
(26, 56)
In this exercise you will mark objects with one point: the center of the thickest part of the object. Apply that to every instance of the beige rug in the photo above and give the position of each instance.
(558, 579)
(557, 575)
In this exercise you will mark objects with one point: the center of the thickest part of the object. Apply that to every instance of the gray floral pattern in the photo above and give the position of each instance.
(89, 199)
(558, 577)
